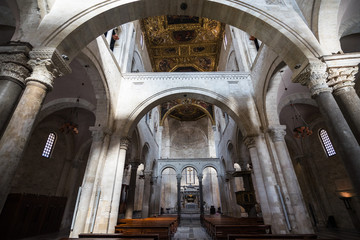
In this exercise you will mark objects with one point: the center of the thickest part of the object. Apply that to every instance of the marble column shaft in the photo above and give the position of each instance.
(131, 194)
(303, 223)
(178, 180)
(346, 145)
(13, 72)
(17, 133)
(146, 197)
(200, 177)
(83, 213)
(341, 80)
(115, 203)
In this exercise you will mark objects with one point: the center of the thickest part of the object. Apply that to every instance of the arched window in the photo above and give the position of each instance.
(49, 146)
(325, 140)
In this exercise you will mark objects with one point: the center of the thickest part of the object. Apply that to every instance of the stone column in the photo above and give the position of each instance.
(115, 204)
(146, 197)
(155, 195)
(314, 76)
(132, 187)
(82, 215)
(13, 72)
(17, 133)
(178, 179)
(303, 223)
(200, 177)
(259, 180)
(341, 80)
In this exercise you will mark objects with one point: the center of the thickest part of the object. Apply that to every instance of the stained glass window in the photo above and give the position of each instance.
(49, 146)
(325, 140)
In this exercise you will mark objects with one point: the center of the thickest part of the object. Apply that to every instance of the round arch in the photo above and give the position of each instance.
(290, 38)
(168, 166)
(189, 165)
(231, 107)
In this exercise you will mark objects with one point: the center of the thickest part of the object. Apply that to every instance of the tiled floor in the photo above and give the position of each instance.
(190, 228)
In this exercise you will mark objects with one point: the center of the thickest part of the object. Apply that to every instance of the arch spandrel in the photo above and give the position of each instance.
(281, 28)
(239, 105)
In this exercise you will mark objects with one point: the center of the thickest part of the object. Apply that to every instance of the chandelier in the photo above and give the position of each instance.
(69, 127)
(302, 128)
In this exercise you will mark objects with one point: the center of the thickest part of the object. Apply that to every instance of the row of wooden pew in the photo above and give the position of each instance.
(224, 227)
(156, 228)
(164, 226)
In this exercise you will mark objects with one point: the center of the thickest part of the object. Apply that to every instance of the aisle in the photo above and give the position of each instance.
(190, 228)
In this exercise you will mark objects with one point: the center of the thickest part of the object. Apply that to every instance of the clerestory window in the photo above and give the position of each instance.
(325, 140)
(49, 146)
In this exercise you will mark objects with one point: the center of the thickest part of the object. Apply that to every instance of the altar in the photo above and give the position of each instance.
(190, 199)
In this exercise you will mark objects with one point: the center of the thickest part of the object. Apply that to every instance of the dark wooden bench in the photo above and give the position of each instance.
(117, 236)
(165, 227)
(271, 236)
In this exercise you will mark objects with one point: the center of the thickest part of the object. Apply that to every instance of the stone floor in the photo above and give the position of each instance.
(190, 228)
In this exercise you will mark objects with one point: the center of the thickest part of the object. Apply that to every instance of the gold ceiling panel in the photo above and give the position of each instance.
(183, 43)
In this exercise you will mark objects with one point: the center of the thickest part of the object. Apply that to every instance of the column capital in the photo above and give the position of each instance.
(178, 177)
(249, 142)
(341, 78)
(200, 176)
(13, 61)
(47, 64)
(135, 164)
(124, 143)
(277, 133)
(314, 76)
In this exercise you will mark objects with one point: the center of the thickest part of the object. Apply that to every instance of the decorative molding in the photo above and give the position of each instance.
(314, 77)
(143, 77)
(275, 2)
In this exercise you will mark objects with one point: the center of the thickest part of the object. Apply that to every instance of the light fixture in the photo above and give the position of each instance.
(301, 128)
(69, 126)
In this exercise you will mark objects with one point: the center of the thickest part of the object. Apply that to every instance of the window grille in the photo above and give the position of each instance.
(325, 140)
(49, 146)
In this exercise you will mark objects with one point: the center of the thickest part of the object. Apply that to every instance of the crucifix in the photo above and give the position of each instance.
(190, 170)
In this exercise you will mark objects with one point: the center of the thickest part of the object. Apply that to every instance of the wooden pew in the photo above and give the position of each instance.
(117, 236)
(271, 236)
(219, 226)
(164, 226)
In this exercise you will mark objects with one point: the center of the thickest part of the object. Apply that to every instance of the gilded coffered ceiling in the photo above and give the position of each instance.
(183, 43)
(187, 109)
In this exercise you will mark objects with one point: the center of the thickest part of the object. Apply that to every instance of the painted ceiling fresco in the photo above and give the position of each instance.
(183, 43)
